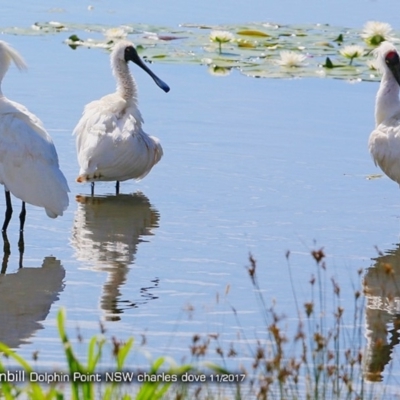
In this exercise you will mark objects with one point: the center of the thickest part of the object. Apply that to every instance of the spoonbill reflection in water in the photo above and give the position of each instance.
(381, 285)
(28, 159)
(26, 296)
(384, 141)
(106, 235)
(110, 141)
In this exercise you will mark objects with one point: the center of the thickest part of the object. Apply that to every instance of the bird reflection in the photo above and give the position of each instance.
(382, 291)
(7, 251)
(26, 297)
(107, 230)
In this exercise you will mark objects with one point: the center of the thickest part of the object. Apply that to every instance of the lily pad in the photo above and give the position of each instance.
(249, 32)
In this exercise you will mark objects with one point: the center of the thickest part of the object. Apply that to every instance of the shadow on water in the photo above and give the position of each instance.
(26, 296)
(382, 316)
(106, 232)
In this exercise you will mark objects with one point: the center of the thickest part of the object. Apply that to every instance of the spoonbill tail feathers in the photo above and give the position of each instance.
(29, 166)
(110, 140)
(384, 141)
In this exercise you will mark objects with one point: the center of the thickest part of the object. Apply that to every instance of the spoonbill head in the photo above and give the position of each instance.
(28, 159)
(110, 140)
(125, 51)
(387, 99)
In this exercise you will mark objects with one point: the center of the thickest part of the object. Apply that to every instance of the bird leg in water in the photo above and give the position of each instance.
(6, 253)
(92, 188)
(117, 188)
(22, 217)
(21, 247)
(9, 211)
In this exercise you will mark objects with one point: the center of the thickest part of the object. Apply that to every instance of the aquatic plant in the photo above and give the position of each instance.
(255, 48)
(116, 33)
(221, 37)
(375, 32)
(291, 59)
(352, 52)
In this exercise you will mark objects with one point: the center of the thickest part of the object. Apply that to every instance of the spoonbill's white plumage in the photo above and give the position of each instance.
(110, 141)
(28, 159)
(384, 141)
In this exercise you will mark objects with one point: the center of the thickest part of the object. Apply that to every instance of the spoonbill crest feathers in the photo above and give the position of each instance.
(8, 55)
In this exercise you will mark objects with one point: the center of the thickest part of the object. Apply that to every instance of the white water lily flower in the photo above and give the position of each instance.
(291, 59)
(376, 32)
(115, 33)
(221, 37)
(352, 51)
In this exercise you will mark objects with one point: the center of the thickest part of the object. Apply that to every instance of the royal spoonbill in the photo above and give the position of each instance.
(28, 159)
(384, 141)
(110, 141)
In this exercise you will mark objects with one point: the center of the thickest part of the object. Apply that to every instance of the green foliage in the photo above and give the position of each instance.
(376, 40)
(80, 390)
(339, 38)
(84, 388)
(328, 63)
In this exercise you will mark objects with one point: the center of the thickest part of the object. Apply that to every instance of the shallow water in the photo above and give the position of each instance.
(250, 165)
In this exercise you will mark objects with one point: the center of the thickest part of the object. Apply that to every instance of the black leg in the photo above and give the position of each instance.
(92, 188)
(117, 188)
(22, 217)
(6, 253)
(21, 247)
(9, 212)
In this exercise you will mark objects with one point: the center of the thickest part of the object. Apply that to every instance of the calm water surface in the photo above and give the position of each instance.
(250, 165)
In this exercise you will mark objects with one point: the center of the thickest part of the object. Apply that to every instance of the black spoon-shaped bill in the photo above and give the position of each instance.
(132, 55)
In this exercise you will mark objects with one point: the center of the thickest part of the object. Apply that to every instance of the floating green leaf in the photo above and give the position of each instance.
(74, 38)
(249, 32)
(339, 38)
(328, 63)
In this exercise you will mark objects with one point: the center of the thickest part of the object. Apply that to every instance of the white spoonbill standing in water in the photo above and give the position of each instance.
(110, 141)
(384, 141)
(28, 159)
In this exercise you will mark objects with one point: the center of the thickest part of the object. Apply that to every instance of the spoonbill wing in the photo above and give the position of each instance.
(111, 144)
(383, 145)
(28, 160)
